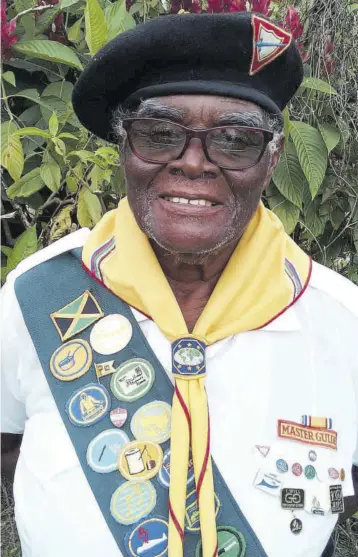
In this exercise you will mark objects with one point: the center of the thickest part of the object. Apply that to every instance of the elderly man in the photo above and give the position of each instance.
(188, 301)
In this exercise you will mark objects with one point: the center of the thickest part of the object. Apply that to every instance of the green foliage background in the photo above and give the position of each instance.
(56, 177)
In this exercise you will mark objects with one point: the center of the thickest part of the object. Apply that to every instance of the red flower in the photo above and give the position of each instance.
(218, 6)
(238, 6)
(261, 6)
(293, 23)
(7, 30)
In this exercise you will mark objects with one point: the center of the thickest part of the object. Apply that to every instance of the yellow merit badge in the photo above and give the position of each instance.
(77, 315)
(140, 460)
(71, 360)
(152, 422)
(309, 435)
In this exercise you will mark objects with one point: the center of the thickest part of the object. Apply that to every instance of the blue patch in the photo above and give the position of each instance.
(281, 465)
(88, 405)
(148, 539)
(188, 357)
(192, 515)
(164, 472)
(133, 501)
(103, 450)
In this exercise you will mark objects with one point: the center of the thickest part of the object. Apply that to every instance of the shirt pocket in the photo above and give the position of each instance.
(46, 448)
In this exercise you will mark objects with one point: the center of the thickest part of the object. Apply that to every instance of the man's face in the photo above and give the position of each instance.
(185, 228)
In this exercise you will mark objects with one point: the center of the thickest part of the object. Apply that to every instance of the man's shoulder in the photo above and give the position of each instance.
(335, 287)
(67, 243)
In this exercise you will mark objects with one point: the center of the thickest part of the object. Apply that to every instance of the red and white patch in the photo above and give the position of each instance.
(269, 42)
(118, 417)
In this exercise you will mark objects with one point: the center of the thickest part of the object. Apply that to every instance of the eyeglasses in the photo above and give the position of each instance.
(229, 147)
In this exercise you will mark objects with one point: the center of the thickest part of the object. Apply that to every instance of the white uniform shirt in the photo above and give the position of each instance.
(304, 362)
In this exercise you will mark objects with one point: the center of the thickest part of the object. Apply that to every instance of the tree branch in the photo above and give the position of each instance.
(30, 10)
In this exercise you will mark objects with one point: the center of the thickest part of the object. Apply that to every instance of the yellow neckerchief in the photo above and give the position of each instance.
(265, 274)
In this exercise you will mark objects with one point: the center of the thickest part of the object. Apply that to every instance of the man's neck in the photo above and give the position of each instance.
(193, 282)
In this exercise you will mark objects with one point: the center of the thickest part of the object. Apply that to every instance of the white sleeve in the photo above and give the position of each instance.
(13, 414)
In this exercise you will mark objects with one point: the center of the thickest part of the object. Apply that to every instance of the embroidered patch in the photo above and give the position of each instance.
(133, 501)
(164, 473)
(336, 497)
(263, 450)
(306, 434)
(314, 421)
(88, 405)
(192, 515)
(111, 334)
(188, 357)
(152, 422)
(269, 42)
(103, 450)
(231, 543)
(292, 498)
(132, 380)
(149, 538)
(71, 360)
(268, 482)
(77, 315)
(118, 416)
(105, 368)
(140, 460)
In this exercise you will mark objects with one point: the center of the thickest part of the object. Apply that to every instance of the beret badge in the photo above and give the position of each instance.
(269, 42)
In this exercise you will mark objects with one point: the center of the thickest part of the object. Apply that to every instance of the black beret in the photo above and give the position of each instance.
(240, 55)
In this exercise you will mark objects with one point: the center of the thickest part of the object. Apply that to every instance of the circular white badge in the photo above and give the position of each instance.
(111, 334)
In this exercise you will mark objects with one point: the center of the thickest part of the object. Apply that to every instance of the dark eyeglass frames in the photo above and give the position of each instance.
(229, 147)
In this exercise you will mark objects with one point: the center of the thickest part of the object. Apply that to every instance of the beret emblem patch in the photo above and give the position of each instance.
(269, 42)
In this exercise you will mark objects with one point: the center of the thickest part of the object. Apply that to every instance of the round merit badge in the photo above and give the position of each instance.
(310, 471)
(140, 460)
(71, 360)
(297, 469)
(132, 380)
(149, 538)
(118, 416)
(231, 543)
(164, 472)
(281, 465)
(103, 450)
(111, 334)
(152, 422)
(88, 405)
(132, 501)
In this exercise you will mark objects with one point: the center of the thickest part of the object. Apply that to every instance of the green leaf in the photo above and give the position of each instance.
(50, 173)
(6, 250)
(318, 85)
(285, 210)
(60, 146)
(118, 19)
(10, 78)
(74, 32)
(49, 50)
(96, 27)
(61, 89)
(25, 245)
(314, 222)
(13, 157)
(312, 153)
(289, 177)
(67, 135)
(22, 5)
(27, 185)
(53, 124)
(71, 183)
(67, 3)
(7, 129)
(353, 8)
(23, 132)
(89, 210)
(62, 223)
(46, 18)
(286, 124)
(331, 136)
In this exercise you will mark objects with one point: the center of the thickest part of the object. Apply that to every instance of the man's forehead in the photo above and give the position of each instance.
(213, 104)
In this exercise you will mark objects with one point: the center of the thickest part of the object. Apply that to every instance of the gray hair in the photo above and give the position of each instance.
(153, 108)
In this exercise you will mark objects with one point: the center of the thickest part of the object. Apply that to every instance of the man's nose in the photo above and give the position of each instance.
(193, 162)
